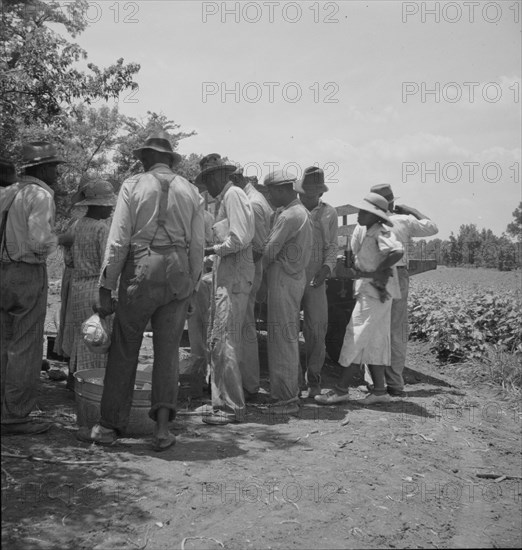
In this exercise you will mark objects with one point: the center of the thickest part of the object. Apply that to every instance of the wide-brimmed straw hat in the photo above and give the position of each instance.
(36, 153)
(312, 182)
(279, 177)
(385, 190)
(158, 141)
(213, 163)
(375, 204)
(96, 192)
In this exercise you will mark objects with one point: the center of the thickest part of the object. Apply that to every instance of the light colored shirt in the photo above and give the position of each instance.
(324, 248)
(29, 233)
(234, 226)
(290, 240)
(135, 222)
(370, 247)
(406, 226)
(262, 214)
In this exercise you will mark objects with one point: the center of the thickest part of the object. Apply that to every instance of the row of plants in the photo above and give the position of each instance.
(462, 324)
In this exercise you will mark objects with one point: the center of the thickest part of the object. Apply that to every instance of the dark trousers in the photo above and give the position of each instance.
(23, 304)
(153, 286)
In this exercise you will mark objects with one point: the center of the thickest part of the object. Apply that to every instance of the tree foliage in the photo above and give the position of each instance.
(40, 79)
(515, 227)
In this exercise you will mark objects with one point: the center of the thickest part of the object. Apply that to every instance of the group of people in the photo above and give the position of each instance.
(202, 252)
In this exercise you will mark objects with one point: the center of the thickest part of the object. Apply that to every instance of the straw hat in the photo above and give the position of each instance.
(158, 141)
(385, 190)
(213, 163)
(96, 192)
(36, 153)
(375, 204)
(279, 177)
(312, 182)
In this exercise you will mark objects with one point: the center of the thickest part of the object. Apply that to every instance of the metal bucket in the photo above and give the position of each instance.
(89, 388)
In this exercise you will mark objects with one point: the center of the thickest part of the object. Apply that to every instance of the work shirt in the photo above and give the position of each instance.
(234, 226)
(29, 233)
(135, 222)
(262, 214)
(290, 240)
(369, 247)
(325, 246)
(406, 226)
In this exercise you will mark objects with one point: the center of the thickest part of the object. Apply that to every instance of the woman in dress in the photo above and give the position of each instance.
(367, 337)
(88, 250)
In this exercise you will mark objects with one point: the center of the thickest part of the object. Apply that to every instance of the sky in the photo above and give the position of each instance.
(422, 95)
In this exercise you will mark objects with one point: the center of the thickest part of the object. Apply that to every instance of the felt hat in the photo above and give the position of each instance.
(312, 182)
(213, 163)
(158, 141)
(279, 177)
(375, 204)
(385, 190)
(96, 192)
(7, 172)
(36, 153)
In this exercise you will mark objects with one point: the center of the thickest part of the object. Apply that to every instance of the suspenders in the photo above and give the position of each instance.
(165, 182)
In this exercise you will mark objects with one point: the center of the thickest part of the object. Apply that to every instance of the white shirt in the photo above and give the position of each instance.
(29, 232)
(369, 247)
(406, 226)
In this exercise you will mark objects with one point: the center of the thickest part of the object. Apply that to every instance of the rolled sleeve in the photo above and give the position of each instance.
(42, 239)
(387, 242)
(421, 228)
(240, 222)
(118, 242)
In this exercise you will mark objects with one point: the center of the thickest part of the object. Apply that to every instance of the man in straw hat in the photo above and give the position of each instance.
(407, 224)
(155, 249)
(233, 275)
(322, 263)
(27, 238)
(286, 254)
(249, 362)
(367, 338)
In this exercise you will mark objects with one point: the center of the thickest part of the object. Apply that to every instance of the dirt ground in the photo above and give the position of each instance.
(400, 475)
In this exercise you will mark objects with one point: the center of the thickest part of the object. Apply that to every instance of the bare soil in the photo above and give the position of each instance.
(400, 475)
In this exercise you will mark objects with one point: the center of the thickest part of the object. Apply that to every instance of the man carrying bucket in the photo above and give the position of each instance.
(155, 248)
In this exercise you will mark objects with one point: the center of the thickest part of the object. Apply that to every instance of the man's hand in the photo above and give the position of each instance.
(105, 305)
(382, 276)
(209, 251)
(320, 276)
(402, 209)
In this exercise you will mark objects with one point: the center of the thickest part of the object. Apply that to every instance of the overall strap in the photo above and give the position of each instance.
(163, 203)
(3, 224)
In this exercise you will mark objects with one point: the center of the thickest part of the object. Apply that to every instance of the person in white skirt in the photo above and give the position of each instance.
(367, 337)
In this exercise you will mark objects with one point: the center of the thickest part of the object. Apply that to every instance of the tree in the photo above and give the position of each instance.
(40, 81)
(515, 227)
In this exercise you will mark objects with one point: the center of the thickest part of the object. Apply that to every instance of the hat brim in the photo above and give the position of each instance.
(176, 157)
(369, 207)
(298, 186)
(42, 162)
(101, 201)
(229, 168)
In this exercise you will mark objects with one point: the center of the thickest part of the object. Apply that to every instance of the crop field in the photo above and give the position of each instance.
(471, 316)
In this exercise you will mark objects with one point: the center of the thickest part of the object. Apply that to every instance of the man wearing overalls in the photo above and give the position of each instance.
(155, 247)
(322, 263)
